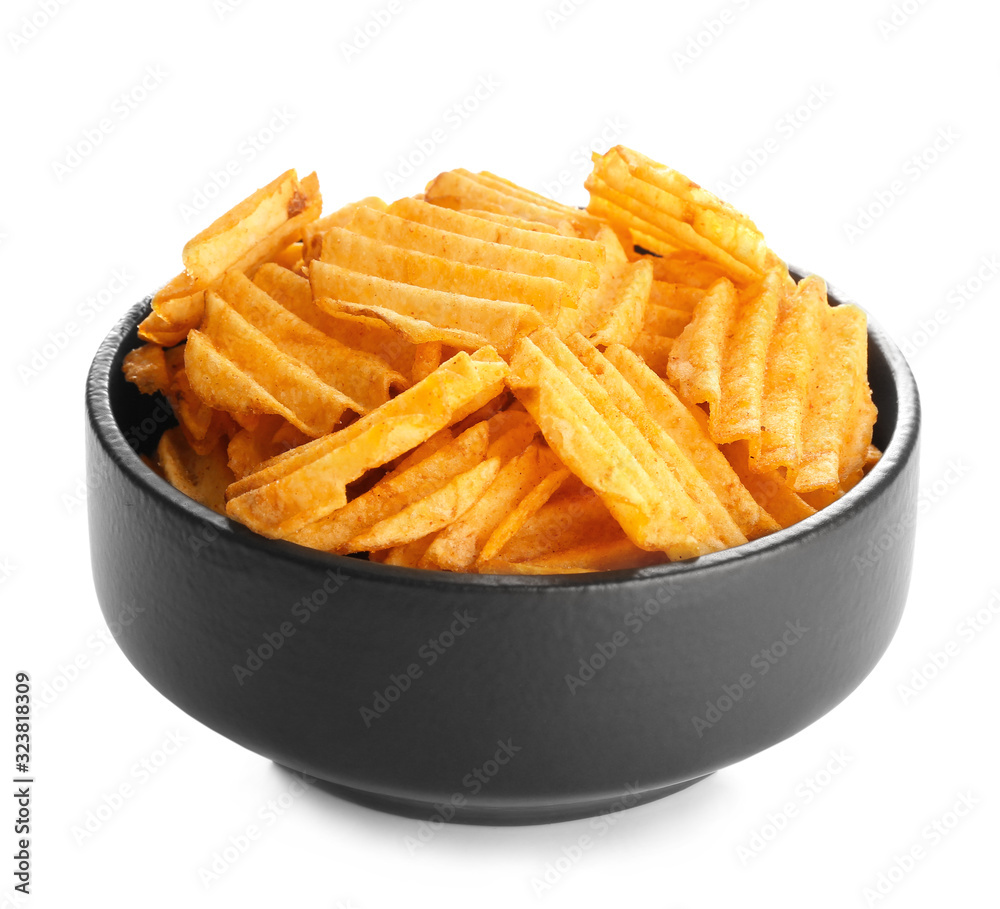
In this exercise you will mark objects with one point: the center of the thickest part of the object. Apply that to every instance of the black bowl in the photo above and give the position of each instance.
(486, 698)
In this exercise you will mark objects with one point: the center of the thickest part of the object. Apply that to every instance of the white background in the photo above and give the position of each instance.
(609, 72)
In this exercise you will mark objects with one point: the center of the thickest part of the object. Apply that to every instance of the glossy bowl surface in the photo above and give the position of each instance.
(494, 699)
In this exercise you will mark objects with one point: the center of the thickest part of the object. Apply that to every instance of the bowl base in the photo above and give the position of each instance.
(499, 815)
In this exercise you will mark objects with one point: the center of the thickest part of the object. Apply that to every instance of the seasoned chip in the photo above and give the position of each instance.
(310, 482)
(203, 477)
(602, 446)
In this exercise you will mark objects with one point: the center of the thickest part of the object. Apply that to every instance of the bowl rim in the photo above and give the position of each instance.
(896, 455)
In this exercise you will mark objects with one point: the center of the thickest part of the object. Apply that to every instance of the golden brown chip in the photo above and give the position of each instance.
(687, 425)
(203, 477)
(596, 441)
(496, 320)
(832, 401)
(665, 211)
(410, 483)
(233, 366)
(309, 482)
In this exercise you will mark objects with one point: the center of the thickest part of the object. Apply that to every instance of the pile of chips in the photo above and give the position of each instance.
(481, 379)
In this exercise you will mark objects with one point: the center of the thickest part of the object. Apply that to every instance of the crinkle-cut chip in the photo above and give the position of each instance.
(312, 240)
(684, 219)
(676, 297)
(265, 226)
(608, 556)
(781, 506)
(685, 268)
(564, 228)
(840, 368)
(364, 378)
(261, 225)
(872, 456)
(628, 401)
(430, 514)
(603, 447)
(397, 231)
(630, 214)
(202, 477)
(664, 321)
(698, 353)
(621, 319)
(370, 335)
(676, 184)
(457, 546)
(573, 515)
(688, 427)
(426, 358)
(738, 413)
(410, 269)
(524, 235)
(529, 506)
(858, 435)
(156, 330)
(146, 368)
(397, 490)
(455, 390)
(790, 357)
(309, 482)
(498, 322)
(235, 367)
(461, 189)
(415, 331)
(654, 351)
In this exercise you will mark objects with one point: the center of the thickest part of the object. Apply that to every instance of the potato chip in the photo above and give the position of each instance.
(793, 350)
(654, 350)
(406, 268)
(484, 321)
(309, 482)
(263, 224)
(608, 556)
(203, 477)
(457, 546)
(437, 510)
(396, 491)
(674, 213)
(628, 401)
(457, 247)
(769, 489)
(146, 368)
(602, 447)
(370, 335)
(688, 426)
(426, 358)
(526, 237)
(233, 366)
(461, 189)
(511, 523)
(685, 268)
(832, 401)
(363, 378)
(697, 355)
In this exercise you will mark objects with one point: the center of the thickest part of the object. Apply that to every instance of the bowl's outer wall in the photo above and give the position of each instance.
(187, 595)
